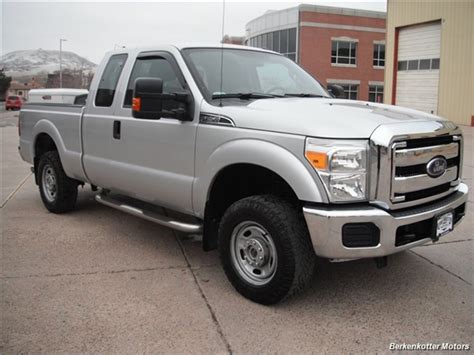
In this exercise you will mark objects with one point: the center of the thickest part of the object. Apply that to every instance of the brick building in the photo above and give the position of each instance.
(336, 45)
(72, 79)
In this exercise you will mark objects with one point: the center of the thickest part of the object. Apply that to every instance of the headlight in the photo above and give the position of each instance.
(342, 165)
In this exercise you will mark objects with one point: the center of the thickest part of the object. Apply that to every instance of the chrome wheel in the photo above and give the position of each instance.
(253, 253)
(49, 183)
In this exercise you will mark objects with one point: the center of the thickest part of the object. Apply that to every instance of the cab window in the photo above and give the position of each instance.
(155, 67)
(108, 82)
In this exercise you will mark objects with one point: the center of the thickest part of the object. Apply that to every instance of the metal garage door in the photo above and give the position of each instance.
(418, 67)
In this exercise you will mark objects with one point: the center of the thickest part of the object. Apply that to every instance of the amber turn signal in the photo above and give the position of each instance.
(136, 104)
(317, 160)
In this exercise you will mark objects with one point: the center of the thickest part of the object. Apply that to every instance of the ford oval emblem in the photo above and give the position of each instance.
(436, 167)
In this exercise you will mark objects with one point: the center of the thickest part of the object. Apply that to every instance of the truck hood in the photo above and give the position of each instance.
(321, 117)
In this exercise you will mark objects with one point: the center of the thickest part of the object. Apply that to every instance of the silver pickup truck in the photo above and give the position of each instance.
(250, 151)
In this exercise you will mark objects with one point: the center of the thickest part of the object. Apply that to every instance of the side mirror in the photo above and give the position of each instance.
(336, 91)
(145, 102)
(149, 101)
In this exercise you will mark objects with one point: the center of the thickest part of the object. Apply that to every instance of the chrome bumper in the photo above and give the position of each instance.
(325, 226)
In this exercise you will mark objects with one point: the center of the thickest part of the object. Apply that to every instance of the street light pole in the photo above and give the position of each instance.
(61, 40)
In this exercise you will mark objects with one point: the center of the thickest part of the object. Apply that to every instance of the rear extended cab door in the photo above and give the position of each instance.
(152, 160)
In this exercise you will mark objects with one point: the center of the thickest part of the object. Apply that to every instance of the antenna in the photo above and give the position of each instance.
(222, 49)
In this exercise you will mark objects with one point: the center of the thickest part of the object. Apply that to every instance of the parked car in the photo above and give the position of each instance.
(14, 102)
(256, 155)
(57, 96)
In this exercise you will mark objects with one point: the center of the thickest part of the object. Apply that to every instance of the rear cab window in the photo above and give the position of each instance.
(108, 82)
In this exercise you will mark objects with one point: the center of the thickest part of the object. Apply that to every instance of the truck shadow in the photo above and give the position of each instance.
(354, 283)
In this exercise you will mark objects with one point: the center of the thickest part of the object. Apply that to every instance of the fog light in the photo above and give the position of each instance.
(360, 235)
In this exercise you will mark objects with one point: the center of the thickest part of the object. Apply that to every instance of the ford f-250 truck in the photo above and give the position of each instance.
(251, 151)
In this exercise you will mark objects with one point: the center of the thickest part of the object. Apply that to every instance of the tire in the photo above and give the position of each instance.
(265, 227)
(57, 190)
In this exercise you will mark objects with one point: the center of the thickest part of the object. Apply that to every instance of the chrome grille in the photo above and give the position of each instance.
(410, 181)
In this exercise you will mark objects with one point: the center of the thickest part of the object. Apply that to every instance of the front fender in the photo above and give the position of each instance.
(266, 154)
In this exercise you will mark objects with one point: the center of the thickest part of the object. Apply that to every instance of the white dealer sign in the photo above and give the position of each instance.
(429, 346)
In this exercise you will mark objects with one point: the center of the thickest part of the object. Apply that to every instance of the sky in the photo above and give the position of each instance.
(93, 28)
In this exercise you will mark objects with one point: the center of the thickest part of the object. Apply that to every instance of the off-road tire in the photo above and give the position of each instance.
(287, 227)
(66, 188)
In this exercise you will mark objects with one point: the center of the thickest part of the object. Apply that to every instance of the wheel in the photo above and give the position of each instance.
(58, 191)
(265, 248)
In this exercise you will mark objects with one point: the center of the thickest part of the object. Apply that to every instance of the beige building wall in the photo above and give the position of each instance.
(456, 82)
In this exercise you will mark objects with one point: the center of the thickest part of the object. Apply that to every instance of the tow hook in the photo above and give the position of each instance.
(381, 262)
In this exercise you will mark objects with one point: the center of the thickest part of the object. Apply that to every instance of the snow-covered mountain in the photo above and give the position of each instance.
(40, 61)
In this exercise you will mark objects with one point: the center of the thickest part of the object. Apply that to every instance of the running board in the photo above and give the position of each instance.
(149, 215)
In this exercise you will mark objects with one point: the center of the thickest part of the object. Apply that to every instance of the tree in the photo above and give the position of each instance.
(4, 82)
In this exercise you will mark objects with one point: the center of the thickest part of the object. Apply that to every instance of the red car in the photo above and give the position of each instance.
(14, 103)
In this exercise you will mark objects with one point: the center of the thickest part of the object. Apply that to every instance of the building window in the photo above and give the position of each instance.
(276, 41)
(376, 93)
(402, 65)
(283, 42)
(418, 64)
(425, 64)
(379, 55)
(344, 52)
(291, 50)
(413, 64)
(351, 91)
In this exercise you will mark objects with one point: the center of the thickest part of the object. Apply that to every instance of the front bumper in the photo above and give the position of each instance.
(325, 226)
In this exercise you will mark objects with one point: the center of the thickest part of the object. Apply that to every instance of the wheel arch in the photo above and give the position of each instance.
(45, 131)
(267, 168)
(306, 185)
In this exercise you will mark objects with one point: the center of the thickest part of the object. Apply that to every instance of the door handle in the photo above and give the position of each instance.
(117, 129)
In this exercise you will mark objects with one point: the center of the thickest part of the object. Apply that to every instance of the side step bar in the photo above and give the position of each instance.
(150, 215)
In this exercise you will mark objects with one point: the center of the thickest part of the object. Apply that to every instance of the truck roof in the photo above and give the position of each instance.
(180, 46)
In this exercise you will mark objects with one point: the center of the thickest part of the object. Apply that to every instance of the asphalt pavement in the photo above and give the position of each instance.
(99, 280)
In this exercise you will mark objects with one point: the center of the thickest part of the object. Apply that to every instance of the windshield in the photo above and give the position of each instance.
(249, 72)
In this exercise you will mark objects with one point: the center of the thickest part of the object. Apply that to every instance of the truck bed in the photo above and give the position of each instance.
(62, 122)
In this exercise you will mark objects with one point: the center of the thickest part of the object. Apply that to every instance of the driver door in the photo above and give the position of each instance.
(154, 158)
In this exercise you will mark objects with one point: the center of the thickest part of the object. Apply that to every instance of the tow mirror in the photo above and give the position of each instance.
(336, 91)
(149, 101)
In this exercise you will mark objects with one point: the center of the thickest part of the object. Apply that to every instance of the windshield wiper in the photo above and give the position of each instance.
(303, 95)
(243, 96)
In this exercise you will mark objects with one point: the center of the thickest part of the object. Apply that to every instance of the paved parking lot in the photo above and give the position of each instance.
(100, 280)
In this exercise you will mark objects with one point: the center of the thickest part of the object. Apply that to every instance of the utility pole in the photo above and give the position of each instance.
(61, 40)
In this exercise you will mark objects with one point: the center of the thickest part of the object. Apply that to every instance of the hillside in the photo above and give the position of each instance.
(40, 62)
